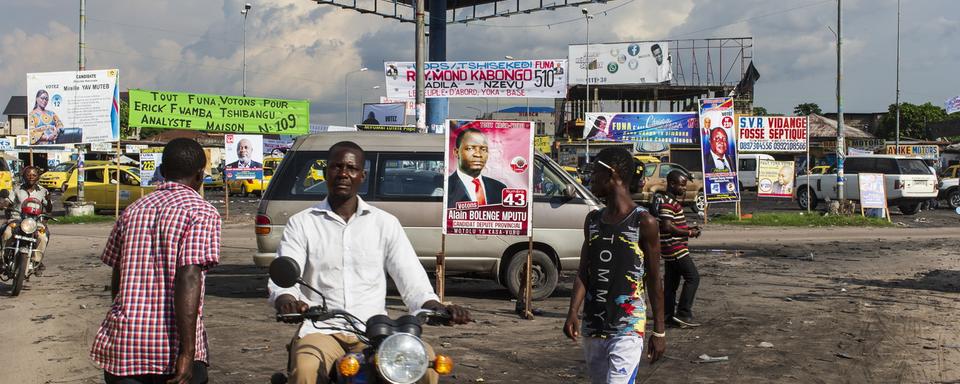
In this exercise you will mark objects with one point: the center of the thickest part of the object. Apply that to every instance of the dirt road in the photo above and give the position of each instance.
(837, 305)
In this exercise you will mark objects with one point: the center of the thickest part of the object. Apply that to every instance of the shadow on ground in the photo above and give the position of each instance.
(936, 280)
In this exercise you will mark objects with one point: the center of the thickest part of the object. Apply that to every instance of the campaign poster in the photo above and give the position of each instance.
(73, 107)
(662, 127)
(244, 156)
(767, 134)
(872, 192)
(218, 113)
(503, 78)
(384, 114)
(489, 174)
(775, 178)
(409, 105)
(277, 147)
(718, 146)
(620, 63)
(150, 160)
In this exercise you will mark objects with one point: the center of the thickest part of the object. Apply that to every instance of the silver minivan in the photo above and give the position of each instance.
(405, 178)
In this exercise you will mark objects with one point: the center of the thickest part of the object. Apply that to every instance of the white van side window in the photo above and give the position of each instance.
(409, 178)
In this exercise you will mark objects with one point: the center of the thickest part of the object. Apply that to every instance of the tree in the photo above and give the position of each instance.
(913, 120)
(806, 109)
(760, 111)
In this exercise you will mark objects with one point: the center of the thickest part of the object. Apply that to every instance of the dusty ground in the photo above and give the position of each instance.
(838, 305)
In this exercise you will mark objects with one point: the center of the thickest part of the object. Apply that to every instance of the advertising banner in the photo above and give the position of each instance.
(73, 107)
(6, 144)
(775, 178)
(409, 105)
(134, 148)
(150, 160)
(872, 193)
(216, 113)
(952, 105)
(769, 134)
(718, 148)
(489, 168)
(664, 127)
(384, 114)
(244, 155)
(620, 63)
(851, 151)
(544, 144)
(505, 78)
(931, 152)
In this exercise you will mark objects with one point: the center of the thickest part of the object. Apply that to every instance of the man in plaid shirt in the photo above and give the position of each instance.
(160, 250)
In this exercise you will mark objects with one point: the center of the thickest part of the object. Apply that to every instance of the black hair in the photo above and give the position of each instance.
(40, 92)
(182, 158)
(675, 175)
(599, 118)
(346, 145)
(629, 170)
(464, 133)
(655, 47)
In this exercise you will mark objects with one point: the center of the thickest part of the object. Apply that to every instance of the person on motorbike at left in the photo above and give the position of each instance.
(345, 246)
(29, 188)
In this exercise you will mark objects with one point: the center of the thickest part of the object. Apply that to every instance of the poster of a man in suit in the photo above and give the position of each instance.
(718, 142)
(489, 174)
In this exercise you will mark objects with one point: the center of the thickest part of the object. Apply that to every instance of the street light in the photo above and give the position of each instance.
(244, 12)
(508, 57)
(371, 88)
(346, 98)
(587, 16)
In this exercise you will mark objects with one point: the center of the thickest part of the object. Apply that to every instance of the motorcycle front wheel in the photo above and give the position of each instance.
(20, 272)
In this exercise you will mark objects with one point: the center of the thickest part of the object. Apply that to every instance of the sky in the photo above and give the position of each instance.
(297, 49)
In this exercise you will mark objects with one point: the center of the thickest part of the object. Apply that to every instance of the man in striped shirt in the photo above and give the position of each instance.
(674, 234)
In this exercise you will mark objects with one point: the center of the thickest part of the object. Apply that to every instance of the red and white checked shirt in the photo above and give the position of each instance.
(164, 230)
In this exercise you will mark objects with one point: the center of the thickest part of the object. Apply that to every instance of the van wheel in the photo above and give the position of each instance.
(543, 275)
(909, 209)
(699, 202)
(802, 198)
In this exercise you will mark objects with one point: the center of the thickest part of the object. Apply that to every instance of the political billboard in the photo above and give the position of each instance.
(769, 134)
(73, 107)
(489, 178)
(620, 63)
(663, 127)
(872, 192)
(718, 146)
(384, 114)
(504, 78)
(218, 113)
(150, 160)
(410, 105)
(775, 178)
(244, 156)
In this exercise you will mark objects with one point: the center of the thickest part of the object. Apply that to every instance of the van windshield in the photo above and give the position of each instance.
(62, 167)
(301, 177)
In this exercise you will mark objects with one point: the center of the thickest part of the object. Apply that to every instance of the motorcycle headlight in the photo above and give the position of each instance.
(28, 226)
(402, 359)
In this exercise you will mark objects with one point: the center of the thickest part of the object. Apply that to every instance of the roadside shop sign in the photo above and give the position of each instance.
(768, 134)
(488, 178)
(718, 149)
(503, 78)
(931, 152)
(218, 113)
(662, 127)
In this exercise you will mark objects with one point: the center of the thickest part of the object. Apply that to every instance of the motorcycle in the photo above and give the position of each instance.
(394, 353)
(16, 263)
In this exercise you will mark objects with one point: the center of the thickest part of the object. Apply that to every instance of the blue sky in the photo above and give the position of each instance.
(300, 50)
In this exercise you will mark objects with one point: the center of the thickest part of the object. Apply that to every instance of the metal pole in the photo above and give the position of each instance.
(897, 150)
(420, 46)
(243, 90)
(116, 201)
(346, 100)
(840, 139)
(587, 110)
(82, 65)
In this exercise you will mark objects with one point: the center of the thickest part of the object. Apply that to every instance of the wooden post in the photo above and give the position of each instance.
(441, 268)
(739, 216)
(116, 201)
(705, 205)
(226, 200)
(528, 283)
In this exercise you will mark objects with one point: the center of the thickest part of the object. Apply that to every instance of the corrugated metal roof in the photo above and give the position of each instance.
(17, 106)
(822, 127)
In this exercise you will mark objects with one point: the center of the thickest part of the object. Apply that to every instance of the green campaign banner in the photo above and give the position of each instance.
(218, 113)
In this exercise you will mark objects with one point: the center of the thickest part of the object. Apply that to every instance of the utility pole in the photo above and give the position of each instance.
(244, 12)
(587, 16)
(421, 97)
(82, 66)
(841, 153)
(897, 150)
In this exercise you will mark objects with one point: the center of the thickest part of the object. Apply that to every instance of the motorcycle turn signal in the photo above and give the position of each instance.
(348, 366)
(443, 365)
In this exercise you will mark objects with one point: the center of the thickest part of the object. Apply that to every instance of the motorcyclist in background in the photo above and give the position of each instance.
(28, 188)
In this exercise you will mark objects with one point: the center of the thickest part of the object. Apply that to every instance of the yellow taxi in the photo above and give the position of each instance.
(100, 186)
(255, 186)
(820, 170)
(56, 177)
(572, 171)
(950, 172)
(315, 174)
(647, 159)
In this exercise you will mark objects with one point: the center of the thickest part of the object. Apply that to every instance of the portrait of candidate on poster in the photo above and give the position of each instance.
(244, 156)
(488, 177)
(718, 146)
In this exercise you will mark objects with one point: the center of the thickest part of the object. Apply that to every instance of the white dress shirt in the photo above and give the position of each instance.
(347, 261)
(467, 181)
(718, 162)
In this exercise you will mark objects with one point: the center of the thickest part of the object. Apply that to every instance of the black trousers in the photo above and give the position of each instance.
(199, 377)
(675, 270)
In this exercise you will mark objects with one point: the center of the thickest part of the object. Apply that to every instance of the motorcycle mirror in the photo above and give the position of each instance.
(285, 272)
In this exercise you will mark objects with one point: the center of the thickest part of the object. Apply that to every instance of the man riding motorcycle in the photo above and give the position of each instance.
(28, 189)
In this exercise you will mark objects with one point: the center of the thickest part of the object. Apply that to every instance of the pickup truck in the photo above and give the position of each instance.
(907, 181)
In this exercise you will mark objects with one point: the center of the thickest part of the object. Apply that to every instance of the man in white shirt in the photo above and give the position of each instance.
(344, 247)
(466, 184)
(29, 189)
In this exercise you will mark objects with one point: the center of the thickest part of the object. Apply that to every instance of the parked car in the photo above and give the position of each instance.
(405, 175)
(820, 170)
(100, 186)
(951, 172)
(213, 179)
(907, 182)
(950, 191)
(747, 170)
(655, 180)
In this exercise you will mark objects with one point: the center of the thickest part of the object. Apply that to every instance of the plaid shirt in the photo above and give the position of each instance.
(167, 229)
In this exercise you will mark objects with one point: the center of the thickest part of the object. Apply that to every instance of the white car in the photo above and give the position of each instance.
(950, 191)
